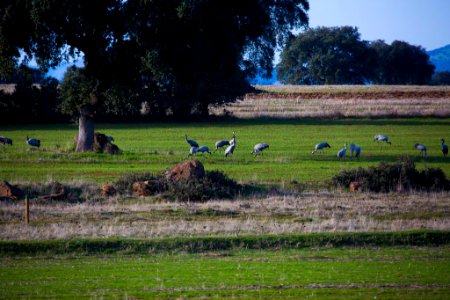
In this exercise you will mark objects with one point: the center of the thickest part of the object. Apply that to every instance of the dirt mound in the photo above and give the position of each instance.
(9, 191)
(187, 170)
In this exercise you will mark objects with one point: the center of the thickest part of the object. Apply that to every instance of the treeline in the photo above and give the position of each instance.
(337, 55)
(322, 55)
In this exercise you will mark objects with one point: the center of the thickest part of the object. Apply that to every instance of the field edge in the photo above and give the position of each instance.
(208, 244)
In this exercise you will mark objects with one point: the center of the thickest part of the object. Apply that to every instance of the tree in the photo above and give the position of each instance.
(441, 78)
(400, 63)
(324, 55)
(176, 55)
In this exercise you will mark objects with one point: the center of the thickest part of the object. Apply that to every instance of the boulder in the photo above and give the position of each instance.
(354, 186)
(10, 192)
(187, 170)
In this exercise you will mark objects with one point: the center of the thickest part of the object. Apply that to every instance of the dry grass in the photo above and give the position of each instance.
(341, 101)
(306, 213)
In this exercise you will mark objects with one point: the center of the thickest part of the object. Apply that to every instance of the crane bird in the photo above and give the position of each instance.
(259, 148)
(192, 151)
(341, 153)
(422, 148)
(358, 151)
(444, 147)
(191, 142)
(320, 147)
(381, 138)
(33, 142)
(352, 149)
(222, 143)
(230, 149)
(5, 140)
(109, 138)
(203, 149)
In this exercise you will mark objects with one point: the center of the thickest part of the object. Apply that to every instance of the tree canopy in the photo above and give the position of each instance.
(337, 55)
(177, 56)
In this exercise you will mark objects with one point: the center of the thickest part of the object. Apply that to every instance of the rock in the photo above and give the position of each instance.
(187, 170)
(108, 190)
(110, 148)
(354, 186)
(10, 192)
(100, 141)
(101, 144)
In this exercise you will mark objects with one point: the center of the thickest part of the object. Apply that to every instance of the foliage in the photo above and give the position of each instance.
(125, 182)
(176, 55)
(441, 78)
(337, 55)
(324, 55)
(215, 185)
(401, 176)
(31, 103)
(400, 63)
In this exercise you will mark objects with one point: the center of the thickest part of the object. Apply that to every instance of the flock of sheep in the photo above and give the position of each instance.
(355, 150)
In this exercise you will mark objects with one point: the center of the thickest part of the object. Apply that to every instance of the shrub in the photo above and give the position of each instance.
(124, 184)
(215, 185)
(399, 176)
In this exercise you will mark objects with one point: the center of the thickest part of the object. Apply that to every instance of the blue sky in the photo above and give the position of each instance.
(423, 23)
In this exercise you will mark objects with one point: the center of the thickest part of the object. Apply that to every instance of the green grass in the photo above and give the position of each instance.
(350, 273)
(155, 147)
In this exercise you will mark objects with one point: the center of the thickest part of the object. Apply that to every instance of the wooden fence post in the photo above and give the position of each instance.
(27, 210)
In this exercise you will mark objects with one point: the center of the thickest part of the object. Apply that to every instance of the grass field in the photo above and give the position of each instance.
(155, 147)
(349, 272)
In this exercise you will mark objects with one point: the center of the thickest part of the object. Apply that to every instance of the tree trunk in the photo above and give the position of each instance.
(86, 129)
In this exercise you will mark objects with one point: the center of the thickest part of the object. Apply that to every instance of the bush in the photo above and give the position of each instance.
(401, 176)
(125, 183)
(215, 185)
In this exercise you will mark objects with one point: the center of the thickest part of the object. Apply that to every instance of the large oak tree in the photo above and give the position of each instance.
(177, 55)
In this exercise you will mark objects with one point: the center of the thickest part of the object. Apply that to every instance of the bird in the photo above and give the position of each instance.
(222, 143)
(381, 138)
(341, 153)
(233, 139)
(192, 151)
(444, 147)
(33, 142)
(110, 138)
(259, 148)
(203, 149)
(191, 142)
(358, 151)
(320, 147)
(230, 148)
(5, 140)
(352, 149)
(422, 148)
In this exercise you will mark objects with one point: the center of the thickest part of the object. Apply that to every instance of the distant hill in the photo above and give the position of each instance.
(440, 58)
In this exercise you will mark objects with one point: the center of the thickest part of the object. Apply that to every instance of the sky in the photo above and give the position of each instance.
(423, 23)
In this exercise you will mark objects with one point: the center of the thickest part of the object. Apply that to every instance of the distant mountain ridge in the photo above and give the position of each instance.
(440, 58)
